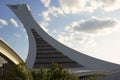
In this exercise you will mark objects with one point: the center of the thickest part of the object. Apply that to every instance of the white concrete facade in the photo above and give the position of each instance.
(88, 63)
(9, 53)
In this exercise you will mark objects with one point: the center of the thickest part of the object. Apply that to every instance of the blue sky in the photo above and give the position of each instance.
(89, 26)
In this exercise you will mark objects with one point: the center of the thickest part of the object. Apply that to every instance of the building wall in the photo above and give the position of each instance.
(46, 55)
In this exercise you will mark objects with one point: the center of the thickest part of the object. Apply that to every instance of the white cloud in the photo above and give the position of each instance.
(44, 26)
(14, 22)
(55, 11)
(3, 22)
(109, 5)
(71, 39)
(54, 31)
(77, 6)
(17, 35)
(84, 40)
(51, 11)
(63, 38)
(94, 26)
(46, 2)
(45, 15)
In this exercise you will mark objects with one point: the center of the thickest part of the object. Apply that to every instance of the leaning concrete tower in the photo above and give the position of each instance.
(43, 49)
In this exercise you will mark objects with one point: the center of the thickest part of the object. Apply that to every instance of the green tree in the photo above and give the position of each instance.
(56, 72)
(18, 72)
(95, 77)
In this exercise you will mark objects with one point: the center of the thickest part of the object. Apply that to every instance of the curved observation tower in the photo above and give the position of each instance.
(43, 49)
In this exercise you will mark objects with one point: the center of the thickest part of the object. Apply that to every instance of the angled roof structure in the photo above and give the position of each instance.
(43, 49)
(8, 53)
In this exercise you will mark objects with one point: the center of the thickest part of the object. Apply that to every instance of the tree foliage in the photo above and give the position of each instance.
(56, 72)
(94, 77)
(18, 72)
